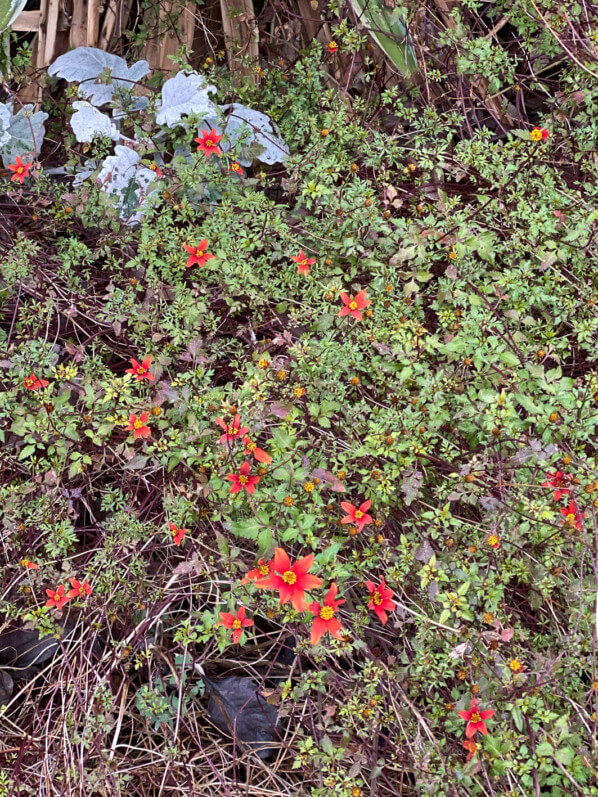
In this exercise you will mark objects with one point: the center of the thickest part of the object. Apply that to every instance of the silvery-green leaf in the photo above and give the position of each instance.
(266, 135)
(184, 94)
(5, 117)
(85, 65)
(253, 134)
(9, 11)
(27, 132)
(88, 122)
(137, 104)
(122, 176)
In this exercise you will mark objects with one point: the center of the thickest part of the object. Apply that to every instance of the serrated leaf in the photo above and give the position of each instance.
(248, 529)
(27, 451)
(545, 749)
(281, 438)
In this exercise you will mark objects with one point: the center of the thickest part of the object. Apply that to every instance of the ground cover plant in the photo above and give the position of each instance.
(298, 384)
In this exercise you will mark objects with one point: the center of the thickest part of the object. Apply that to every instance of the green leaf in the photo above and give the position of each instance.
(248, 529)
(281, 438)
(527, 403)
(565, 755)
(27, 451)
(9, 11)
(387, 29)
(545, 749)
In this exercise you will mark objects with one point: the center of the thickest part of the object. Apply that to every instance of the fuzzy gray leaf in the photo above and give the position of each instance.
(26, 133)
(184, 94)
(88, 122)
(85, 64)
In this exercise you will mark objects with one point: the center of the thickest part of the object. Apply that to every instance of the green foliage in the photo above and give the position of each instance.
(470, 381)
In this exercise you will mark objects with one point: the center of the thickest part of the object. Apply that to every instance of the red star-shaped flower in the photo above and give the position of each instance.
(20, 169)
(324, 619)
(141, 370)
(380, 600)
(291, 582)
(257, 453)
(558, 482)
(573, 517)
(78, 589)
(178, 535)
(261, 571)
(354, 306)
(198, 254)
(475, 719)
(233, 431)
(355, 515)
(32, 382)
(303, 262)
(57, 598)
(139, 425)
(237, 623)
(208, 143)
(242, 480)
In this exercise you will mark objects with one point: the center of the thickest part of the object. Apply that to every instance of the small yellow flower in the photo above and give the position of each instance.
(536, 134)
(489, 618)
(515, 665)
(263, 363)
(324, 132)
(309, 487)
(299, 391)
(288, 500)
(281, 375)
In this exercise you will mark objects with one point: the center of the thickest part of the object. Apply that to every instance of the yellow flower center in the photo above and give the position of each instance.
(264, 570)
(326, 612)
(20, 170)
(199, 253)
(243, 480)
(358, 514)
(141, 369)
(251, 446)
(377, 598)
(236, 624)
(536, 135)
(233, 430)
(29, 381)
(353, 305)
(492, 540)
(475, 717)
(138, 424)
(209, 142)
(515, 665)
(289, 577)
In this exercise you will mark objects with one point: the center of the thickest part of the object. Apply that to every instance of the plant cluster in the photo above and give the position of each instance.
(280, 380)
